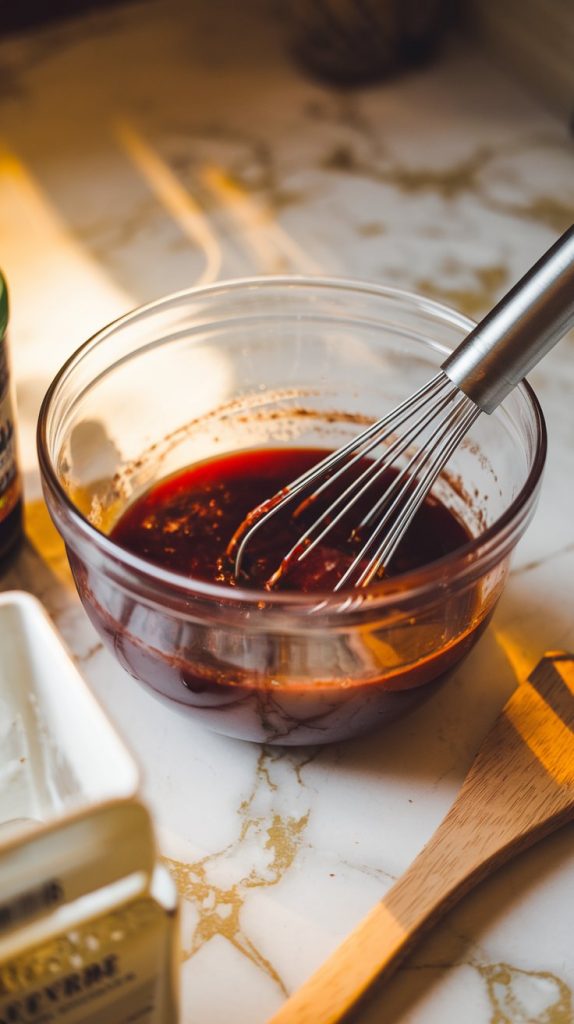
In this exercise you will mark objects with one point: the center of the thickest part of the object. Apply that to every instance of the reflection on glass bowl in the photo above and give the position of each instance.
(273, 362)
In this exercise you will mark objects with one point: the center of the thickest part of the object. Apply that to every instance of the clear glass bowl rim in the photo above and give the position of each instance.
(471, 560)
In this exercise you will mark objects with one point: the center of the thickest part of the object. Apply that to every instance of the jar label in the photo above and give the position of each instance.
(9, 479)
(114, 969)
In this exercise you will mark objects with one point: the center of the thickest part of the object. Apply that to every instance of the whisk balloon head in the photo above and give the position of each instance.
(375, 483)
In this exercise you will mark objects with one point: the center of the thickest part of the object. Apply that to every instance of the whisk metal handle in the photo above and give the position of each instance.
(519, 331)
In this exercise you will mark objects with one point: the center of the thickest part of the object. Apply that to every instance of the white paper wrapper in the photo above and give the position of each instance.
(88, 917)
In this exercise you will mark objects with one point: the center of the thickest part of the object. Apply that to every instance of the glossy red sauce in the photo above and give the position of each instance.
(186, 521)
(311, 683)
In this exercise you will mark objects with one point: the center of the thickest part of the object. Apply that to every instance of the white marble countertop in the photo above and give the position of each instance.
(150, 147)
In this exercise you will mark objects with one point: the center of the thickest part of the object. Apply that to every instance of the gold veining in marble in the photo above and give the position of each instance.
(89, 653)
(219, 914)
(552, 211)
(247, 161)
(515, 995)
(344, 110)
(508, 989)
(299, 765)
(448, 182)
(462, 177)
(372, 229)
(264, 829)
(475, 299)
(265, 182)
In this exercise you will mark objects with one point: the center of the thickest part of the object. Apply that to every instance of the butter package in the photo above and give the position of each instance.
(88, 916)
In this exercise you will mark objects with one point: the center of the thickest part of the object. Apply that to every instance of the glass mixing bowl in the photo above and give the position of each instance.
(271, 362)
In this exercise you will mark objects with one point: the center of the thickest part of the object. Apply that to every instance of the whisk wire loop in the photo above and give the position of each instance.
(358, 447)
(448, 436)
(373, 472)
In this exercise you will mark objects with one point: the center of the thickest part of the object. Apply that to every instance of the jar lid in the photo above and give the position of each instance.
(3, 305)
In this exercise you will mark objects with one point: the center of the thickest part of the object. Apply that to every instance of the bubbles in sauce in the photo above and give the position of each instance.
(185, 523)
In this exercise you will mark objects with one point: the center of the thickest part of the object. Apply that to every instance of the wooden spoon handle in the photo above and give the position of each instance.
(519, 787)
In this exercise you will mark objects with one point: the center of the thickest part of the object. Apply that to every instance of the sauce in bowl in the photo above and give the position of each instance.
(185, 523)
(217, 660)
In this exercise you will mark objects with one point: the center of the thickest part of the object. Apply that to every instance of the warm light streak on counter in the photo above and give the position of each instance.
(266, 239)
(175, 198)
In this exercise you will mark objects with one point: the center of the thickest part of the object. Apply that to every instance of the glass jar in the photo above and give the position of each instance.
(10, 483)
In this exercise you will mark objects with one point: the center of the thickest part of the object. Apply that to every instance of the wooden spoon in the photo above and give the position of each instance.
(519, 788)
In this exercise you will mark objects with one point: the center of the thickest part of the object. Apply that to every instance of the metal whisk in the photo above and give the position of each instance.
(428, 426)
